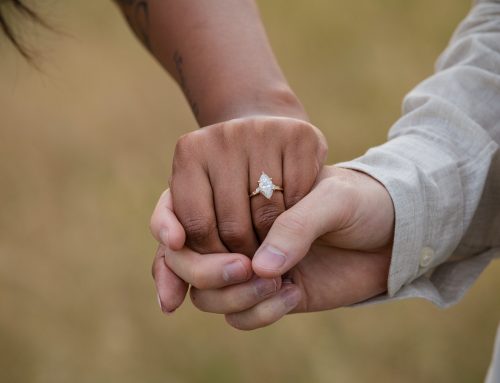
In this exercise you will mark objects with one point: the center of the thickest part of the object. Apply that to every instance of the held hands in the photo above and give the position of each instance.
(334, 245)
(217, 167)
(214, 171)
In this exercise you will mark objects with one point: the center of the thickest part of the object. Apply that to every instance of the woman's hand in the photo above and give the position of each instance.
(334, 247)
(214, 171)
(217, 167)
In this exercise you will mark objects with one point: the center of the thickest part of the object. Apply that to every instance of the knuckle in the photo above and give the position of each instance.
(233, 234)
(186, 147)
(310, 138)
(183, 153)
(264, 216)
(218, 135)
(228, 130)
(199, 230)
(302, 130)
(184, 144)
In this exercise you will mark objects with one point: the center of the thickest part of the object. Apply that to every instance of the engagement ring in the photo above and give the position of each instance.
(266, 187)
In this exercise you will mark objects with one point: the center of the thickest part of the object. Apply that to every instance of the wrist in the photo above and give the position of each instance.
(275, 100)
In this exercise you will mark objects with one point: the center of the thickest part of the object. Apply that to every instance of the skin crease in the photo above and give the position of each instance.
(338, 246)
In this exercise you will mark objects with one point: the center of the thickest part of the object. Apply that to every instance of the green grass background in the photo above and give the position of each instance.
(85, 150)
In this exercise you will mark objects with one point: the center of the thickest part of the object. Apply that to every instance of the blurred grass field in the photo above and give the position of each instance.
(85, 150)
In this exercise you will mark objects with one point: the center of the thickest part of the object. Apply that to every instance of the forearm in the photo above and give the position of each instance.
(218, 53)
(441, 167)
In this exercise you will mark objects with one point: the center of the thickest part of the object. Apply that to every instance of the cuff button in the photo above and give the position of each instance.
(426, 256)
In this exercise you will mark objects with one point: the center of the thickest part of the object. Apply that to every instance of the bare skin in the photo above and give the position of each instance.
(334, 245)
(220, 56)
(218, 53)
(337, 236)
(216, 168)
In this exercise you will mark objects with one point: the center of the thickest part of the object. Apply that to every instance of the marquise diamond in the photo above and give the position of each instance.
(266, 186)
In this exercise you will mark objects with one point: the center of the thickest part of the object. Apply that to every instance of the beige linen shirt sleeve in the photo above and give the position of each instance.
(441, 167)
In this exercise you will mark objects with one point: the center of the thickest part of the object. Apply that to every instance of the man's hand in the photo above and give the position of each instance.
(334, 247)
(217, 167)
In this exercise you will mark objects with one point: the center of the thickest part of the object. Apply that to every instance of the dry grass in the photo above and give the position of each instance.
(85, 150)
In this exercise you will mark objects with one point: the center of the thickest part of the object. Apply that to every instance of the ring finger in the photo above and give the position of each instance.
(265, 210)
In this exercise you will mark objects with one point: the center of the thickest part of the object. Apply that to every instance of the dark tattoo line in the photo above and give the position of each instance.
(178, 61)
(137, 14)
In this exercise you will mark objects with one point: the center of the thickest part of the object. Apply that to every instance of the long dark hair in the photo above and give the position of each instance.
(8, 9)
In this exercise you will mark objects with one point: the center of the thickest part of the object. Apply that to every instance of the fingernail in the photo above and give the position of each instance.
(159, 303)
(269, 258)
(162, 308)
(265, 287)
(164, 236)
(234, 272)
(291, 298)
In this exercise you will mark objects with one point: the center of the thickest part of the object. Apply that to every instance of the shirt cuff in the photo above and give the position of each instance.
(425, 185)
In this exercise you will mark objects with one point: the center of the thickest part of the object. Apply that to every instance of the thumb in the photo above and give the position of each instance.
(293, 232)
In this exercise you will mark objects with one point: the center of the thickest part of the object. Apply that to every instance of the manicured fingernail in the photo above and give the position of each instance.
(265, 287)
(269, 258)
(164, 236)
(163, 309)
(234, 272)
(291, 298)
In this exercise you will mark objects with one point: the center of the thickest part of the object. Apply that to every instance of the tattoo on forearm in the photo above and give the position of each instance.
(178, 61)
(136, 12)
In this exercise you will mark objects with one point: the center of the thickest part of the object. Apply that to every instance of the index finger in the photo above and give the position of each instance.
(193, 203)
(164, 225)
